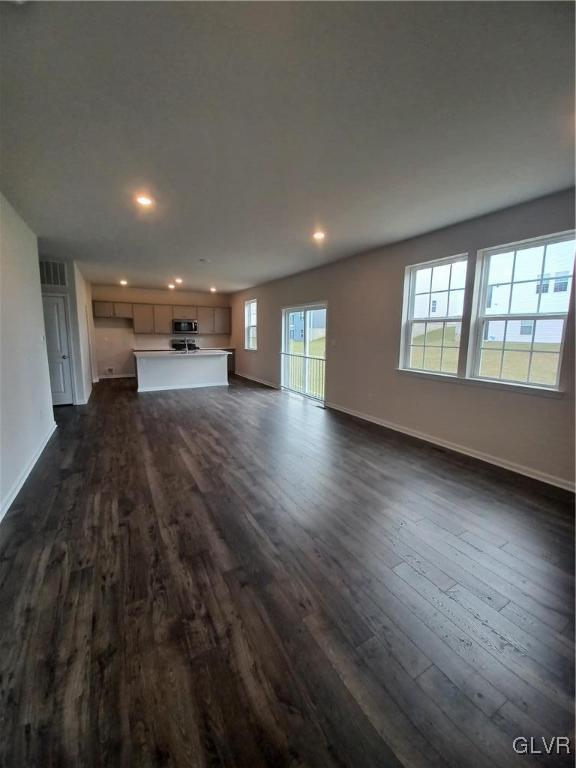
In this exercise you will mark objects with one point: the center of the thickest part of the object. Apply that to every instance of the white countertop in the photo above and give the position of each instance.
(171, 353)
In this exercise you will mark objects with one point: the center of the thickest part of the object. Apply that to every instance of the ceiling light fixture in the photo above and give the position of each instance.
(178, 280)
(171, 286)
(144, 201)
(123, 282)
(319, 236)
(212, 289)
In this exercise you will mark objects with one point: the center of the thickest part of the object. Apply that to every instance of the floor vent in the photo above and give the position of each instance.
(53, 273)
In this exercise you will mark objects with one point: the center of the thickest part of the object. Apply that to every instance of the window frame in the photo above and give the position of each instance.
(478, 311)
(247, 327)
(408, 313)
(471, 334)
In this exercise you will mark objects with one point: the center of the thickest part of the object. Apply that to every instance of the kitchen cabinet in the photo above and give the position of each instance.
(205, 320)
(122, 309)
(157, 318)
(143, 315)
(162, 318)
(222, 320)
(103, 309)
(184, 313)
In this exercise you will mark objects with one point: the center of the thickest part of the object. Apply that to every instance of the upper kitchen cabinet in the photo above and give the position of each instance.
(163, 318)
(122, 309)
(222, 320)
(143, 315)
(103, 309)
(205, 320)
(184, 313)
(157, 318)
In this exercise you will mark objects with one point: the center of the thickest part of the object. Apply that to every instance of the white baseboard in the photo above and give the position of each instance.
(544, 477)
(258, 381)
(95, 381)
(21, 479)
(117, 376)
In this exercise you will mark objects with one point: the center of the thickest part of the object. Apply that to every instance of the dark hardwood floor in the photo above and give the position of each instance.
(238, 577)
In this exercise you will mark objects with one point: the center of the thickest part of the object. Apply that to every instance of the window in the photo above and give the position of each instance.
(520, 321)
(561, 284)
(433, 315)
(250, 324)
(515, 325)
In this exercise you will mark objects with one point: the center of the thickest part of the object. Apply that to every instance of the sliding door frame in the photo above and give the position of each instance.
(284, 342)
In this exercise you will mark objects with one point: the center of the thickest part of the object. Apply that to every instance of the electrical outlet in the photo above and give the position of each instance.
(109, 370)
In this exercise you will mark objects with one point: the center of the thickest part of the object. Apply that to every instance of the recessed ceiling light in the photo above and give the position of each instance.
(123, 282)
(212, 289)
(178, 280)
(319, 235)
(171, 286)
(144, 201)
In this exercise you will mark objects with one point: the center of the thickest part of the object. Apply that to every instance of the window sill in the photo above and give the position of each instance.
(506, 386)
(246, 349)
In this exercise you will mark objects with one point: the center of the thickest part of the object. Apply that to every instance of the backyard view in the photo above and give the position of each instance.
(436, 349)
(305, 351)
(525, 297)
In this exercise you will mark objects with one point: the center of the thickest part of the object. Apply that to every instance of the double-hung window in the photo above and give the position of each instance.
(521, 318)
(434, 303)
(515, 325)
(250, 324)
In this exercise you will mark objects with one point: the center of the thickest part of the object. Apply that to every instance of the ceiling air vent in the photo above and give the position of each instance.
(53, 273)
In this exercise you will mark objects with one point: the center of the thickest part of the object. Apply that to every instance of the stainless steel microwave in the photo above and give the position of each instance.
(184, 326)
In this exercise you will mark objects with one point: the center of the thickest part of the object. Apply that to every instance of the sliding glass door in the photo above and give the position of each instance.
(304, 350)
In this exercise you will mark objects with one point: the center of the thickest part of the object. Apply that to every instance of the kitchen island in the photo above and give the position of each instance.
(181, 370)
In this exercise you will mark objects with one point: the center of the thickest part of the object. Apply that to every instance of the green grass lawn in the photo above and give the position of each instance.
(295, 368)
(426, 354)
(317, 347)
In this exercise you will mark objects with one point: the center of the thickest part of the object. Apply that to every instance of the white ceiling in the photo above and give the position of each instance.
(254, 123)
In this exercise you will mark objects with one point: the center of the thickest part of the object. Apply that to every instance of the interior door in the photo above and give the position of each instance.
(58, 346)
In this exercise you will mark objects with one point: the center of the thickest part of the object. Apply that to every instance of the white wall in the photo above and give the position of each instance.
(85, 336)
(26, 416)
(115, 339)
(530, 433)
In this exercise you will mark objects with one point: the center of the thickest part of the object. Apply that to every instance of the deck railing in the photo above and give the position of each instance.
(304, 374)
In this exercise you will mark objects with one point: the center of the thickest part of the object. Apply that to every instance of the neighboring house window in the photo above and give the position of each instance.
(561, 284)
(436, 288)
(520, 323)
(250, 324)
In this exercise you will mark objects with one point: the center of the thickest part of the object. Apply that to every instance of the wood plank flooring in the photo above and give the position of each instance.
(238, 577)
